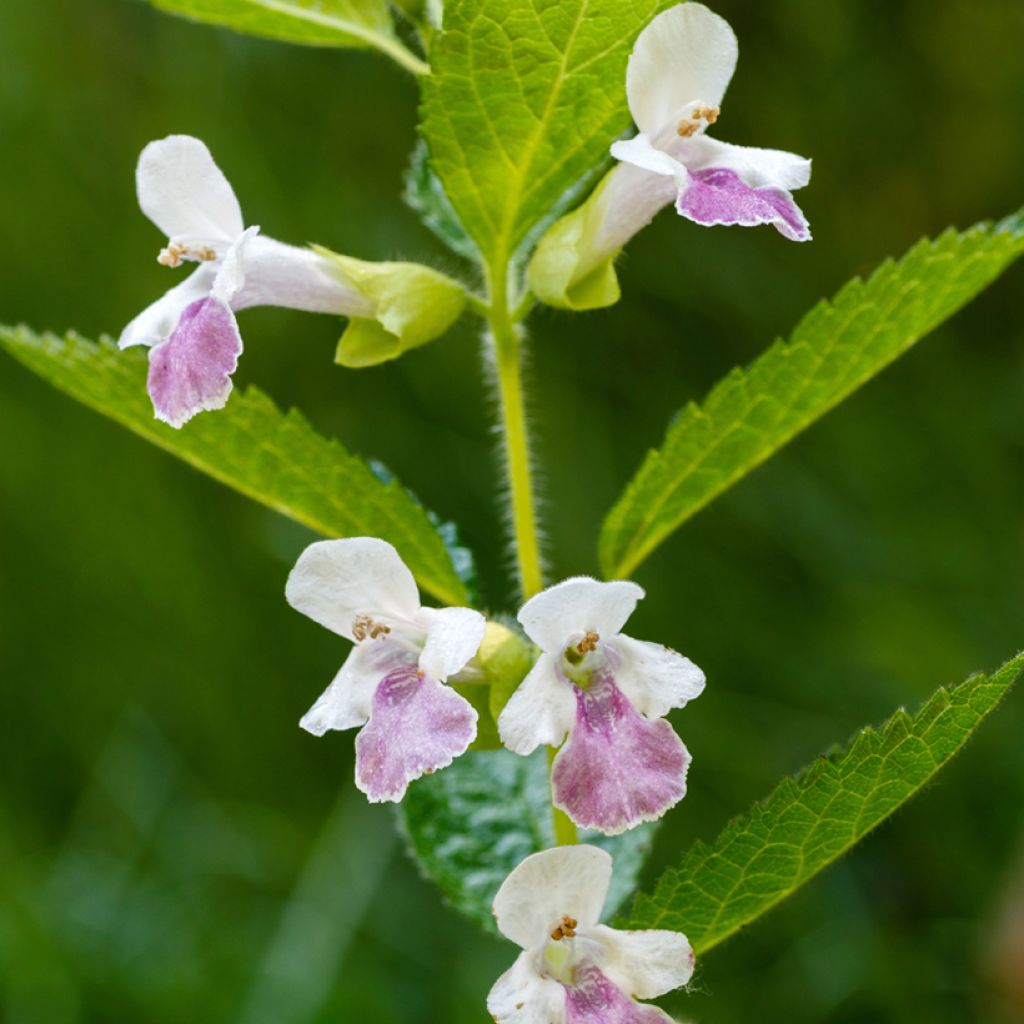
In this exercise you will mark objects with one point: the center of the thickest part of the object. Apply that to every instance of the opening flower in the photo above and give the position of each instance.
(676, 79)
(191, 330)
(392, 682)
(573, 970)
(622, 763)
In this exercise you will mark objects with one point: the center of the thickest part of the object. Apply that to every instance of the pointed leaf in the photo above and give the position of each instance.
(809, 821)
(837, 347)
(276, 458)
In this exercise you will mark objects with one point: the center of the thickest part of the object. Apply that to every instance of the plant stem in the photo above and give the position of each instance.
(508, 364)
(565, 828)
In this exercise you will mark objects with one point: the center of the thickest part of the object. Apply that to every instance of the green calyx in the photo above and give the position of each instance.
(411, 305)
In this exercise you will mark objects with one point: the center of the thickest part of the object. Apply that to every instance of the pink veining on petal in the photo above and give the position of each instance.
(593, 999)
(417, 725)
(191, 371)
(717, 195)
(618, 768)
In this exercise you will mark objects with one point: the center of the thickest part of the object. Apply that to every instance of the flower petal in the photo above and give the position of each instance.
(756, 167)
(569, 880)
(185, 194)
(191, 371)
(417, 725)
(157, 321)
(522, 996)
(539, 712)
(277, 274)
(717, 195)
(556, 615)
(347, 702)
(453, 637)
(336, 580)
(685, 54)
(655, 678)
(595, 999)
(617, 769)
(640, 153)
(645, 964)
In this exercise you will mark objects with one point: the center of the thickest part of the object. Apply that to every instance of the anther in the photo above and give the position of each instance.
(566, 930)
(588, 643)
(173, 254)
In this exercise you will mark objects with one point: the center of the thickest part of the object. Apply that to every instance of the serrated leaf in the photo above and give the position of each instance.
(425, 194)
(525, 99)
(811, 820)
(276, 458)
(838, 346)
(469, 825)
(349, 23)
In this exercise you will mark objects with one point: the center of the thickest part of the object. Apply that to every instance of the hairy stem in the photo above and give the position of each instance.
(508, 364)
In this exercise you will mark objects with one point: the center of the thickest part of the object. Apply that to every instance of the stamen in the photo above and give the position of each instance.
(588, 643)
(174, 253)
(364, 627)
(691, 125)
(566, 930)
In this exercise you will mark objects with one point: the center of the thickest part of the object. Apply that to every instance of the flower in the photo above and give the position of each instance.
(392, 681)
(573, 970)
(677, 75)
(191, 331)
(622, 764)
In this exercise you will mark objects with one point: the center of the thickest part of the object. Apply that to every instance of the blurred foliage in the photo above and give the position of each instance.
(173, 848)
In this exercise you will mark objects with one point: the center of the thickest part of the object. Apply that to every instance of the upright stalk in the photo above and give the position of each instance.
(508, 364)
(506, 336)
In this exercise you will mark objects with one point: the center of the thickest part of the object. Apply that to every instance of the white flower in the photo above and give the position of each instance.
(678, 72)
(391, 683)
(622, 763)
(574, 970)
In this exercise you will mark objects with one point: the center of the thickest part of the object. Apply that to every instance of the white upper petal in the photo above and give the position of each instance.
(336, 580)
(570, 880)
(522, 996)
(453, 637)
(346, 703)
(655, 678)
(539, 712)
(156, 322)
(756, 167)
(640, 152)
(185, 194)
(645, 964)
(686, 54)
(570, 608)
(277, 274)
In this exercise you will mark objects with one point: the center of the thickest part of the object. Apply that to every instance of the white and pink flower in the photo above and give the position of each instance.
(392, 684)
(574, 970)
(622, 764)
(678, 72)
(191, 331)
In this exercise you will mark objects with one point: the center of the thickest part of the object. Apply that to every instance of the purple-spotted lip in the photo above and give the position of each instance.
(617, 769)
(718, 196)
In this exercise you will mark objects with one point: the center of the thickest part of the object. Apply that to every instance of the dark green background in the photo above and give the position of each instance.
(173, 848)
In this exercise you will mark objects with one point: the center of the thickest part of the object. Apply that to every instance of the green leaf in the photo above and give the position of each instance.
(276, 458)
(838, 346)
(425, 194)
(469, 825)
(351, 23)
(525, 99)
(809, 821)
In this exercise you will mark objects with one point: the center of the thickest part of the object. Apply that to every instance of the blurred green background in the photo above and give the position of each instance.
(173, 848)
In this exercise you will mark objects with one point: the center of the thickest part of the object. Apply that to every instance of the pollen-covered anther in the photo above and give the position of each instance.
(566, 930)
(365, 628)
(588, 643)
(174, 253)
(691, 125)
